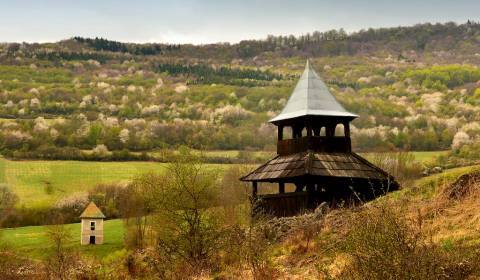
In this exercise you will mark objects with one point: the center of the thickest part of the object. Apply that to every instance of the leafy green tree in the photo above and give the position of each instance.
(94, 134)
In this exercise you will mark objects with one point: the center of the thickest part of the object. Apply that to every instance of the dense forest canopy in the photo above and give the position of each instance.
(333, 42)
(414, 87)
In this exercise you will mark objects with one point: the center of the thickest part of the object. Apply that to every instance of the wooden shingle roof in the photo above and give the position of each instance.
(92, 212)
(347, 165)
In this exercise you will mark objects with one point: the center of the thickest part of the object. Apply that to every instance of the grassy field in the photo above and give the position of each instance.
(421, 156)
(428, 155)
(41, 183)
(31, 180)
(33, 241)
(223, 153)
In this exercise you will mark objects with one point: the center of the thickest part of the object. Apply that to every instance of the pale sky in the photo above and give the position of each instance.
(211, 21)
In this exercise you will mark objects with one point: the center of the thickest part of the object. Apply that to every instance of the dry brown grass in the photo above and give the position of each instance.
(456, 212)
(435, 238)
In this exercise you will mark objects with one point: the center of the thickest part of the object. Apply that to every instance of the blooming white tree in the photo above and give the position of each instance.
(41, 125)
(124, 135)
(16, 136)
(101, 150)
(34, 91)
(103, 85)
(179, 88)
(113, 108)
(136, 124)
(76, 201)
(152, 109)
(231, 113)
(54, 133)
(461, 138)
(110, 122)
(35, 103)
(93, 62)
(9, 104)
(131, 88)
(432, 101)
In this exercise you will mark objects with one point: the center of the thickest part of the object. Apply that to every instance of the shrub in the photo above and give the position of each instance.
(401, 165)
(383, 244)
(7, 202)
(137, 205)
(109, 198)
(188, 230)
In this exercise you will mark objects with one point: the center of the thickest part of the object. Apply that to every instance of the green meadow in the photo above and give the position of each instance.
(41, 183)
(33, 241)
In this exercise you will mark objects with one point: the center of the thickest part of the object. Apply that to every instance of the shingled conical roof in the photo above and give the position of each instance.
(311, 97)
(92, 212)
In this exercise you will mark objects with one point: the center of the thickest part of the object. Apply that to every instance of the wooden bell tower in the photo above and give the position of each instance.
(317, 157)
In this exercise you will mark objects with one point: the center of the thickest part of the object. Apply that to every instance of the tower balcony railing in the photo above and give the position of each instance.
(333, 144)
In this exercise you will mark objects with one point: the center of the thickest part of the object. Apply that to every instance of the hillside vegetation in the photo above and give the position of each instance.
(415, 88)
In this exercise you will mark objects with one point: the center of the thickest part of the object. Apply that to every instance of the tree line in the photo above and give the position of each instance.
(101, 44)
(206, 74)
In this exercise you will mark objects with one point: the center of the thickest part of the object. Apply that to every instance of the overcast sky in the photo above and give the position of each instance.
(209, 21)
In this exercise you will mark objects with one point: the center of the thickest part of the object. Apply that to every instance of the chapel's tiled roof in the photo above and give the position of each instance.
(92, 211)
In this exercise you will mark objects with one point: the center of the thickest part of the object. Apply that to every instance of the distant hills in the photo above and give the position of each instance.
(415, 88)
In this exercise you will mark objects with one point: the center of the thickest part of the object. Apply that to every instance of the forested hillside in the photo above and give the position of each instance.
(415, 88)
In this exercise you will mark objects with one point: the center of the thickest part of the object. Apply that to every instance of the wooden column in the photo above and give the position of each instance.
(281, 187)
(255, 189)
(346, 126)
(330, 130)
(299, 187)
(316, 131)
(309, 129)
(280, 132)
(297, 131)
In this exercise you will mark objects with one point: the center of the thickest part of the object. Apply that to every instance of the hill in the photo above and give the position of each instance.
(320, 247)
(415, 88)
